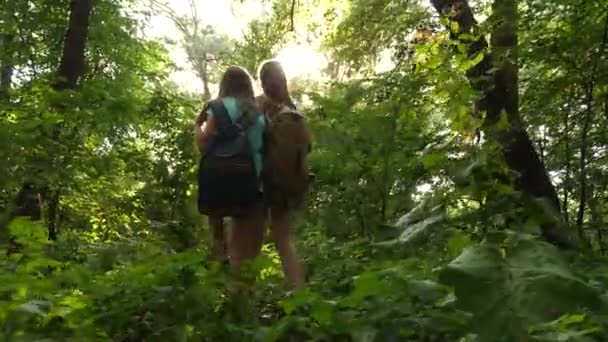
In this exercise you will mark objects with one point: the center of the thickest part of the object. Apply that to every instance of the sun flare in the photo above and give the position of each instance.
(301, 61)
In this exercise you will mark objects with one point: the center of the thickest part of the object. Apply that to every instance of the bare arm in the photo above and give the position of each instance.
(197, 130)
(204, 130)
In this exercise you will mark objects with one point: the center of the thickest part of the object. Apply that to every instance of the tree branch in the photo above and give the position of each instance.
(292, 14)
(175, 18)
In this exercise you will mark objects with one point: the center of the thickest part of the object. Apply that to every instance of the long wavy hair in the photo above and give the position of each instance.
(274, 82)
(237, 82)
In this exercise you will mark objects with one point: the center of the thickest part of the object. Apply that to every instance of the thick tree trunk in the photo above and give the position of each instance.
(71, 68)
(496, 78)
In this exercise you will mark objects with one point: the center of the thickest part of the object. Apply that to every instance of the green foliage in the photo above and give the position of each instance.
(262, 38)
(511, 282)
(360, 173)
(413, 231)
(387, 26)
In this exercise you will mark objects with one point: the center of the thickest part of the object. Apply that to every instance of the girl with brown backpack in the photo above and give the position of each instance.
(286, 174)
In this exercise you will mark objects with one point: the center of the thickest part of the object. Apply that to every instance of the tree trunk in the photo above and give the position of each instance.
(596, 220)
(387, 179)
(606, 107)
(7, 52)
(568, 154)
(6, 65)
(71, 68)
(205, 78)
(542, 144)
(52, 210)
(586, 126)
(496, 78)
(587, 117)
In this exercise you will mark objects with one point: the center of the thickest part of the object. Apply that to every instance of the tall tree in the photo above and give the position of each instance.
(71, 68)
(496, 79)
(203, 45)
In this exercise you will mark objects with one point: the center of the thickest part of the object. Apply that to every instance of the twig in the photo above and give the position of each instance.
(194, 16)
(293, 10)
(175, 18)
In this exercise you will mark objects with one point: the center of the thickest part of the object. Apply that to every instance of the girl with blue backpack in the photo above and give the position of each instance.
(230, 135)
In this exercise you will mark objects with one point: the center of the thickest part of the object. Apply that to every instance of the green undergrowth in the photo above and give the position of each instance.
(510, 287)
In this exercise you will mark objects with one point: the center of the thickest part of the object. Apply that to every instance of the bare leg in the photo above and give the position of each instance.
(246, 241)
(247, 238)
(218, 241)
(281, 221)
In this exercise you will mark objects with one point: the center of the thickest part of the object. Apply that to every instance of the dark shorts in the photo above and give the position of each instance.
(232, 211)
(228, 190)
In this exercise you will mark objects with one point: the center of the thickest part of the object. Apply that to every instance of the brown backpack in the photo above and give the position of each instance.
(288, 143)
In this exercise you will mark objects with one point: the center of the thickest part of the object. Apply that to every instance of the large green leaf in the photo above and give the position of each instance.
(511, 282)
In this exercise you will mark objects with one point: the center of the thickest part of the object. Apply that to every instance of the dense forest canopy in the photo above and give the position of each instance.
(460, 158)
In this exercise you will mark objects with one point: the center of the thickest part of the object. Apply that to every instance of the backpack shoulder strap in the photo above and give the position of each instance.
(220, 112)
(286, 109)
(295, 111)
(248, 116)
